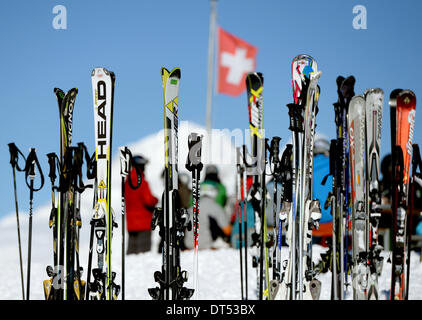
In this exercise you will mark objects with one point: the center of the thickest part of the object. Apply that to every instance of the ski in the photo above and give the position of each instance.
(357, 147)
(254, 89)
(374, 104)
(279, 287)
(416, 178)
(310, 212)
(405, 112)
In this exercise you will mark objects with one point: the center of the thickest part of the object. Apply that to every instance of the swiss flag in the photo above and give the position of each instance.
(236, 58)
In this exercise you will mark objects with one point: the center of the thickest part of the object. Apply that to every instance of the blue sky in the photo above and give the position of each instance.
(136, 38)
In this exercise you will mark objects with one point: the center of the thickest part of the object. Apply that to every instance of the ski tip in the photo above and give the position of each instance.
(316, 75)
(304, 65)
(349, 81)
(303, 56)
(164, 71)
(176, 72)
(113, 76)
(254, 80)
(357, 100)
(373, 91)
(100, 71)
(339, 81)
(407, 97)
(393, 97)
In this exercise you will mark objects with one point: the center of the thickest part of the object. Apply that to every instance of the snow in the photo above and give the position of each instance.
(219, 277)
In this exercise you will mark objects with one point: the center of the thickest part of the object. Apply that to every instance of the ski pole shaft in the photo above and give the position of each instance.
(19, 235)
(239, 217)
(14, 162)
(245, 221)
(31, 197)
(123, 237)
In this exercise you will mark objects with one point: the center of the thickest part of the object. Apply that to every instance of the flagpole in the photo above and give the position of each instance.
(211, 42)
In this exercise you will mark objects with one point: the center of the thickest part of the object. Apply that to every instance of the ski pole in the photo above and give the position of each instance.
(194, 165)
(31, 194)
(31, 161)
(239, 213)
(126, 160)
(274, 158)
(416, 162)
(124, 171)
(15, 166)
(245, 220)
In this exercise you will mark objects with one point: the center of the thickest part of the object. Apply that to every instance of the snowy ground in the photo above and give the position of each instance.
(219, 276)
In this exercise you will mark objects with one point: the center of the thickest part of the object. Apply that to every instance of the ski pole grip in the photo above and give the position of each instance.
(195, 150)
(296, 119)
(31, 162)
(125, 166)
(13, 154)
(52, 163)
(126, 160)
(238, 158)
(275, 149)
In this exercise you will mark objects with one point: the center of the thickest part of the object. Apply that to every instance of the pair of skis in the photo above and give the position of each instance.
(172, 219)
(364, 121)
(339, 199)
(302, 214)
(65, 278)
(257, 192)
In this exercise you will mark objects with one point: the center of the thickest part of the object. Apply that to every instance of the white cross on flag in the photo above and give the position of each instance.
(236, 58)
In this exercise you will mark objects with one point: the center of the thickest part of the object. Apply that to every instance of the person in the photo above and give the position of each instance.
(140, 204)
(185, 192)
(212, 180)
(386, 198)
(250, 216)
(321, 168)
(214, 224)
